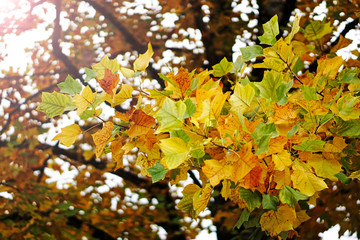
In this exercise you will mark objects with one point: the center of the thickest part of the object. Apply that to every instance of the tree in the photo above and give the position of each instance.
(282, 138)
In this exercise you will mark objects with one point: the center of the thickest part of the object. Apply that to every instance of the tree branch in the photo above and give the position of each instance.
(128, 36)
(57, 49)
(17, 108)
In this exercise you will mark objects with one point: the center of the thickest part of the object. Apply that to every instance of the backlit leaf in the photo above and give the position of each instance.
(84, 100)
(70, 86)
(222, 68)
(105, 63)
(68, 135)
(176, 151)
(109, 82)
(53, 104)
(102, 137)
(157, 172)
(142, 123)
(251, 52)
(171, 115)
(271, 30)
(142, 62)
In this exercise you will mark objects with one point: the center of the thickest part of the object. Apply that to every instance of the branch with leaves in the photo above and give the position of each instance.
(268, 148)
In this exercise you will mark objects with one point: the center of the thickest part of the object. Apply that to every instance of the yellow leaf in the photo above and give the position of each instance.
(142, 62)
(105, 63)
(282, 160)
(175, 150)
(217, 104)
(325, 167)
(127, 72)
(337, 145)
(295, 28)
(200, 201)
(242, 98)
(215, 171)
(124, 94)
(301, 217)
(305, 181)
(102, 137)
(68, 135)
(225, 189)
(186, 203)
(275, 222)
(282, 178)
(84, 100)
(329, 66)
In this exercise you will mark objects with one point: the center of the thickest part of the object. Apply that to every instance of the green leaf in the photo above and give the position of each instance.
(154, 93)
(309, 93)
(105, 62)
(310, 145)
(87, 113)
(53, 104)
(70, 86)
(170, 115)
(281, 92)
(344, 107)
(244, 217)
(180, 134)
(252, 199)
(270, 202)
(222, 68)
(251, 52)
(190, 108)
(349, 128)
(157, 172)
(197, 153)
(262, 134)
(343, 178)
(166, 79)
(349, 75)
(293, 131)
(290, 196)
(90, 74)
(238, 65)
(271, 30)
(268, 86)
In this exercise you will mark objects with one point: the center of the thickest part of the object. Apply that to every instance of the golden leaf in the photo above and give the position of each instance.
(102, 137)
(68, 135)
(84, 100)
(275, 222)
(142, 62)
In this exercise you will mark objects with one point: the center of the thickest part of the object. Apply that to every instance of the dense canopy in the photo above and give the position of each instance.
(161, 119)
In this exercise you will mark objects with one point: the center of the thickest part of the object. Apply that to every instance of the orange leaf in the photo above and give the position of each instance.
(109, 82)
(142, 123)
(102, 137)
(244, 161)
(117, 153)
(182, 79)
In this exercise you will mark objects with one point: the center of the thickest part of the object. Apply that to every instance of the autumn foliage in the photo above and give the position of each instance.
(269, 148)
